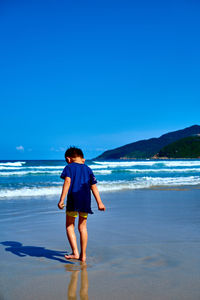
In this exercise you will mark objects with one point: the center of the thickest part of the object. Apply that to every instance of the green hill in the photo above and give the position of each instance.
(148, 148)
(188, 147)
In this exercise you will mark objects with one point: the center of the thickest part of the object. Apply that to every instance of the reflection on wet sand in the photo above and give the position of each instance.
(72, 287)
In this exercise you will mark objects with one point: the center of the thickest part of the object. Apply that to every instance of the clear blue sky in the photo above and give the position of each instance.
(95, 74)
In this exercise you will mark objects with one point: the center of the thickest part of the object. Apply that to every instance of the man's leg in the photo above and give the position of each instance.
(82, 227)
(71, 237)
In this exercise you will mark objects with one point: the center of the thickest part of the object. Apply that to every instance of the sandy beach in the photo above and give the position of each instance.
(145, 246)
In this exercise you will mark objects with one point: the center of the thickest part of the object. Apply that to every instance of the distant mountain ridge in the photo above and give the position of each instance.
(148, 148)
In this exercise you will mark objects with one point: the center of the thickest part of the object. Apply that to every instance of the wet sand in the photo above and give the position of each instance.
(145, 246)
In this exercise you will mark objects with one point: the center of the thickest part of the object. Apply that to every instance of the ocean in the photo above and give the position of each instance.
(144, 246)
(31, 178)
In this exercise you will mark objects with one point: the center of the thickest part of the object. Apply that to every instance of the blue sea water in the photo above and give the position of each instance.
(42, 177)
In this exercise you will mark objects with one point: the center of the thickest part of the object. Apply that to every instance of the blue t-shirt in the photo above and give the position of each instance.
(79, 194)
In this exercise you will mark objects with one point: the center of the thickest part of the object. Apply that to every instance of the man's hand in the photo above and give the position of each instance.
(101, 206)
(61, 205)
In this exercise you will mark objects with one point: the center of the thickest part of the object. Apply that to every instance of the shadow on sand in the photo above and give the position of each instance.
(33, 251)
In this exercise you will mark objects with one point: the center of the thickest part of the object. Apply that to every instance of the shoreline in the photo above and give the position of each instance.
(122, 190)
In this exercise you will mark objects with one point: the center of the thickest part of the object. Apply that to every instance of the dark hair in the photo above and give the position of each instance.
(73, 152)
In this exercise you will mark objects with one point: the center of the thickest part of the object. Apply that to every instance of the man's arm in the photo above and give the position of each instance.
(65, 190)
(95, 192)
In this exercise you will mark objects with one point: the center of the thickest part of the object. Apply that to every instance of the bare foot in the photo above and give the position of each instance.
(72, 256)
(82, 258)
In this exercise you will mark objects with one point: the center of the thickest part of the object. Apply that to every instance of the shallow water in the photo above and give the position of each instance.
(145, 246)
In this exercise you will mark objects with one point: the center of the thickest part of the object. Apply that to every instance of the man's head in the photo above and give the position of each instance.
(72, 154)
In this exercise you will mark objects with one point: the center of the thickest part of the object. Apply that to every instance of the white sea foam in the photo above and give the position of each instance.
(182, 163)
(170, 181)
(116, 164)
(32, 168)
(46, 167)
(167, 163)
(13, 164)
(148, 182)
(10, 168)
(30, 192)
(98, 166)
(137, 183)
(169, 170)
(23, 173)
(102, 172)
(107, 186)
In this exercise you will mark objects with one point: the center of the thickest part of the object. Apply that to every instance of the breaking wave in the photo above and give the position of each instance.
(40, 178)
(106, 186)
(13, 164)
